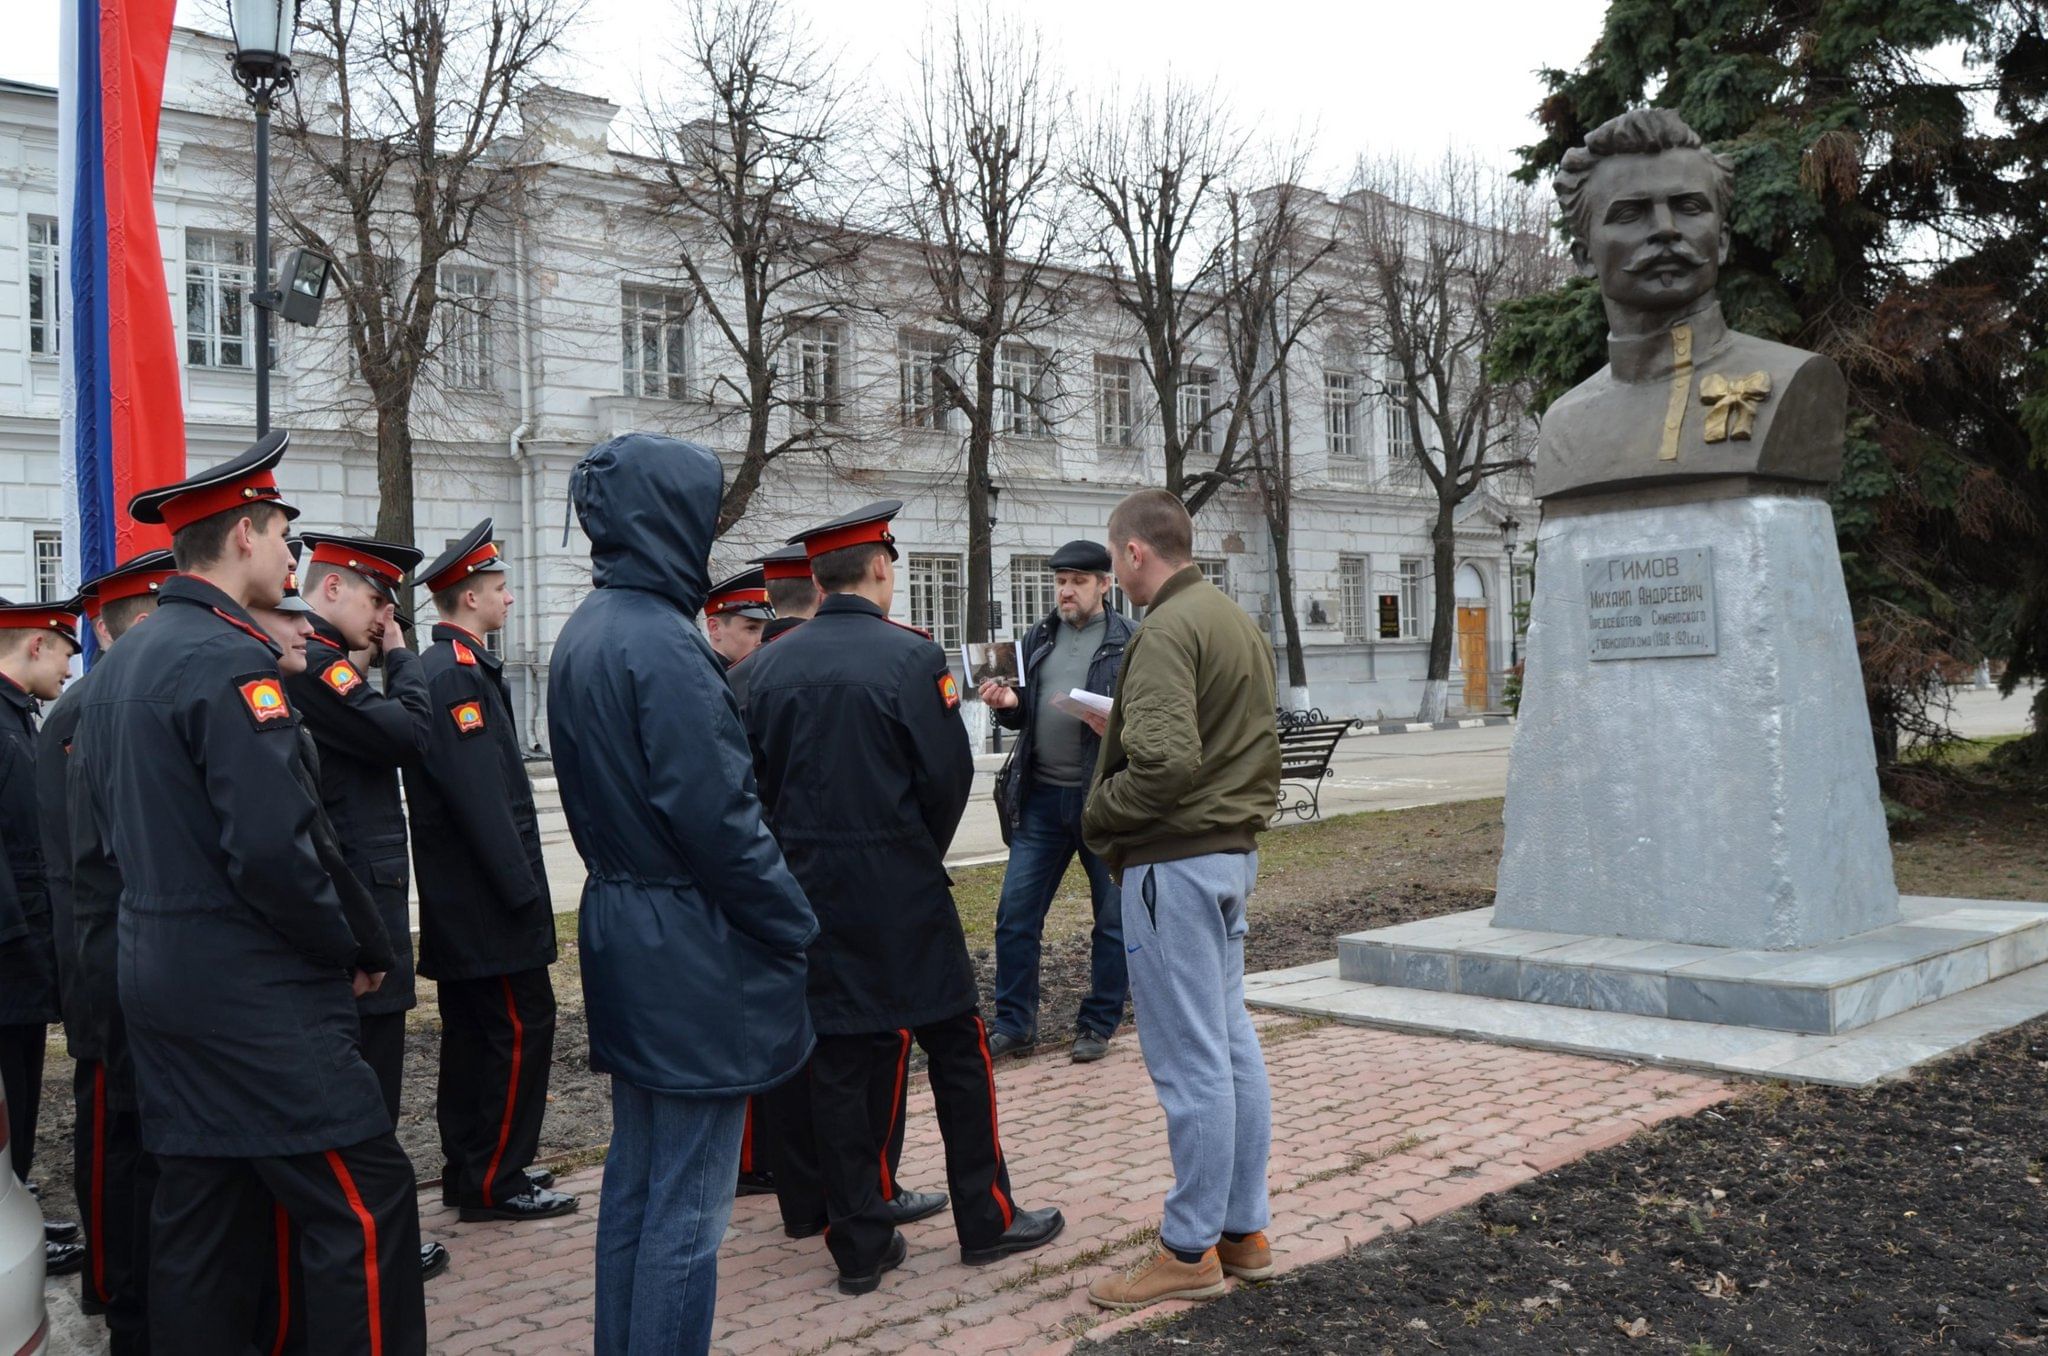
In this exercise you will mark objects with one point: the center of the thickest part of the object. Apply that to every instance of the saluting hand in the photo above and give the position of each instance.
(389, 634)
(997, 694)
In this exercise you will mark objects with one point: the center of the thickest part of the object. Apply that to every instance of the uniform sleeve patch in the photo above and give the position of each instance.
(263, 697)
(463, 654)
(342, 677)
(468, 717)
(949, 691)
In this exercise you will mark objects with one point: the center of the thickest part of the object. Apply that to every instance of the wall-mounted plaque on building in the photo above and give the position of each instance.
(1651, 605)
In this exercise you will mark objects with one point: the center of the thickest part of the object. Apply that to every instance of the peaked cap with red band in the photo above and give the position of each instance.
(743, 595)
(237, 484)
(383, 563)
(132, 578)
(858, 528)
(785, 562)
(59, 617)
(475, 553)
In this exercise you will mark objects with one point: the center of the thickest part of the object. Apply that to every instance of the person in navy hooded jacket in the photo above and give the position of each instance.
(693, 931)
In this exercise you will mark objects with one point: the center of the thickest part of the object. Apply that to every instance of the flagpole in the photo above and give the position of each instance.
(262, 283)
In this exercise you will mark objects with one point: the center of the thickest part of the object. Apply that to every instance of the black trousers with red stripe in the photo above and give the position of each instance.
(497, 1042)
(214, 1230)
(755, 1137)
(790, 1143)
(383, 1045)
(116, 1180)
(855, 1093)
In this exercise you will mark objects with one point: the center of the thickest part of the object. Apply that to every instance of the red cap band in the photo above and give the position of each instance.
(859, 534)
(182, 510)
(733, 599)
(786, 569)
(40, 619)
(464, 568)
(125, 586)
(334, 553)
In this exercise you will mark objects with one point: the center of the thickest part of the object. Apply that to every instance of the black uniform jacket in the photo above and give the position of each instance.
(736, 675)
(365, 737)
(363, 911)
(28, 959)
(483, 886)
(235, 955)
(865, 768)
(84, 937)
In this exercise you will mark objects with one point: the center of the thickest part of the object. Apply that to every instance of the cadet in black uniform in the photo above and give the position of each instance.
(487, 932)
(864, 767)
(735, 611)
(779, 1134)
(113, 1177)
(236, 961)
(37, 641)
(365, 736)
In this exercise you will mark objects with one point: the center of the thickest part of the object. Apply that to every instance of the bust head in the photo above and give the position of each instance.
(1648, 205)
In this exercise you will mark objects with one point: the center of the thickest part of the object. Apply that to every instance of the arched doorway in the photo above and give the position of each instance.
(1470, 589)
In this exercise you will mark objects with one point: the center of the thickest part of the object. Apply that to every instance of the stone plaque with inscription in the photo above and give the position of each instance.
(1651, 605)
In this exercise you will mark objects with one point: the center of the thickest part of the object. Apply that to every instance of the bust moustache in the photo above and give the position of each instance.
(1656, 240)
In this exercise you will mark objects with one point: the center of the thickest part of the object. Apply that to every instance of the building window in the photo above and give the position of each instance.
(816, 348)
(1400, 443)
(1197, 404)
(1020, 392)
(1340, 412)
(654, 337)
(1116, 402)
(1216, 570)
(44, 273)
(49, 566)
(1032, 592)
(937, 601)
(1352, 578)
(220, 321)
(922, 400)
(466, 328)
(1411, 600)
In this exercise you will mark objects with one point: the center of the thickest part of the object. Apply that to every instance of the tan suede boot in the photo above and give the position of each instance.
(1251, 1260)
(1163, 1277)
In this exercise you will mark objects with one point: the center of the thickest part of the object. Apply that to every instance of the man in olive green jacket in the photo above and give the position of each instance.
(1189, 774)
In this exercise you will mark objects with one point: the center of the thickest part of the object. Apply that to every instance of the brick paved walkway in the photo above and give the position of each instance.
(1372, 1131)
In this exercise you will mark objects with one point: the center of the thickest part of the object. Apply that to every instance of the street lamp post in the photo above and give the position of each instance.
(1510, 529)
(995, 731)
(262, 63)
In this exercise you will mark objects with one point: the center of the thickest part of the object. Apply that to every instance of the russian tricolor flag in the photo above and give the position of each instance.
(124, 420)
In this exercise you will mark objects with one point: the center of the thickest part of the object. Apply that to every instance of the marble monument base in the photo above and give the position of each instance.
(1939, 948)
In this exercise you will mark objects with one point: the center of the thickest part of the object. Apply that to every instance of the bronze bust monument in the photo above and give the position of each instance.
(1683, 398)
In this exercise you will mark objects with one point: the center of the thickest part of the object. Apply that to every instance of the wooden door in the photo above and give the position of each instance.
(1472, 655)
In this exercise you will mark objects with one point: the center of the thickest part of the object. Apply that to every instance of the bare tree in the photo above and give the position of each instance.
(1275, 291)
(1156, 170)
(757, 219)
(393, 154)
(980, 159)
(1434, 251)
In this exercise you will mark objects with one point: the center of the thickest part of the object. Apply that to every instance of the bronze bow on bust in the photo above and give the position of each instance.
(1733, 403)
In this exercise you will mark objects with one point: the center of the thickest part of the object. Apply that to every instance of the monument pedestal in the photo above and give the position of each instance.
(1692, 759)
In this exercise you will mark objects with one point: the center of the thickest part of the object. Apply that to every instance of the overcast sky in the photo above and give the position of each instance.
(1408, 78)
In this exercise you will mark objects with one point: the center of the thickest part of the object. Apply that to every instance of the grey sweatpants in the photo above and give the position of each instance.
(1184, 929)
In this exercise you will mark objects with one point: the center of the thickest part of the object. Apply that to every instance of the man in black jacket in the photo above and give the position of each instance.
(236, 959)
(113, 1177)
(487, 931)
(349, 587)
(1081, 645)
(37, 641)
(865, 768)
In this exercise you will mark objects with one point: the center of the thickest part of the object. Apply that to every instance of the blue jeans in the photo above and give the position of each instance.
(667, 1199)
(1044, 840)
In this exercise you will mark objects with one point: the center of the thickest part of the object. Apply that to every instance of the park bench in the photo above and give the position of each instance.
(1308, 741)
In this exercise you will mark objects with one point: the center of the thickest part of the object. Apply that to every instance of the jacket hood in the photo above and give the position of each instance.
(650, 508)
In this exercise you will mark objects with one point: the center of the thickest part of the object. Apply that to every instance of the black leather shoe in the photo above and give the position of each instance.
(811, 1230)
(756, 1184)
(433, 1260)
(60, 1231)
(541, 1178)
(908, 1207)
(1089, 1047)
(532, 1205)
(61, 1259)
(892, 1257)
(1003, 1043)
(1030, 1229)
